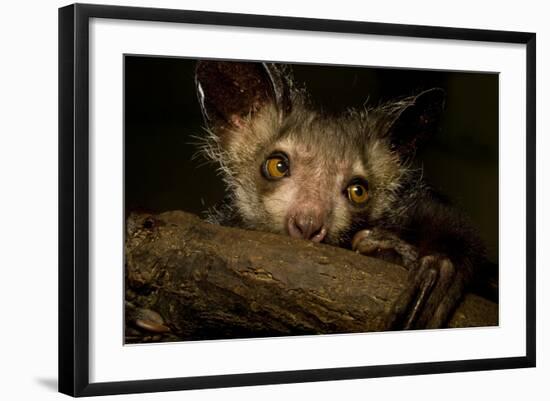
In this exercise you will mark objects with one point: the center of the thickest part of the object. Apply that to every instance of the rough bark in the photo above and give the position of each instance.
(211, 282)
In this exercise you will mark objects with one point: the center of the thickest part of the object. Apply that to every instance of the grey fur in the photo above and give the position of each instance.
(356, 139)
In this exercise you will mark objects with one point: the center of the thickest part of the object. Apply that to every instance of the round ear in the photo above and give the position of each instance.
(229, 92)
(417, 121)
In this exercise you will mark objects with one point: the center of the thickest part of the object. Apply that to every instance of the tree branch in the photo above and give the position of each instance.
(212, 282)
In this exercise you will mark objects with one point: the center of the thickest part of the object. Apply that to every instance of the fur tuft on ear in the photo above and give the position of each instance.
(417, 121)
(229, 92)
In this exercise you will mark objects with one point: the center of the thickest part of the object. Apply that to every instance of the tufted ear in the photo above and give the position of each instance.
(229, 92)
(417, 121)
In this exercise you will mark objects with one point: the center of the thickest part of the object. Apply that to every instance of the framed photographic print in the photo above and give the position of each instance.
(249, 199)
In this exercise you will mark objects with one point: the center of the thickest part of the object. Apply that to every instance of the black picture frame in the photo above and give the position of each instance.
(74, 198)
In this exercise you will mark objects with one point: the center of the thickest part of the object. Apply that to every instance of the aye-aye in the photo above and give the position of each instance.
(345, 180)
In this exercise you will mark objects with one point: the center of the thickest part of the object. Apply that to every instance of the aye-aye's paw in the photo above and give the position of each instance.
(434, 290)
(385, 245)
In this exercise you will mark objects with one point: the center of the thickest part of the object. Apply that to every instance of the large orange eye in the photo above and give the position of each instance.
(276, 166)
(357, 192)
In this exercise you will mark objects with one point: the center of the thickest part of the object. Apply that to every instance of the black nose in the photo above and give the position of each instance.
(307, 226)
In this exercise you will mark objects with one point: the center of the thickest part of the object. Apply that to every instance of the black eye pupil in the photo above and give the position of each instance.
(281, 166)
(358, 190)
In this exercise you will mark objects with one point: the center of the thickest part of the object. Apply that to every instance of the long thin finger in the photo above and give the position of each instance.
(425, 291)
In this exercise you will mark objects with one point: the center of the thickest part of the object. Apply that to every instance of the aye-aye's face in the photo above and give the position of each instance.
(309, 176)
(294, 171)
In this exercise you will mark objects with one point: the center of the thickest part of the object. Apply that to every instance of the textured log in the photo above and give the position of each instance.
(210, 282)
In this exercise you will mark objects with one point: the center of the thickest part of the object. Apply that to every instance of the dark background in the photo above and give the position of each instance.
(162, 116)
